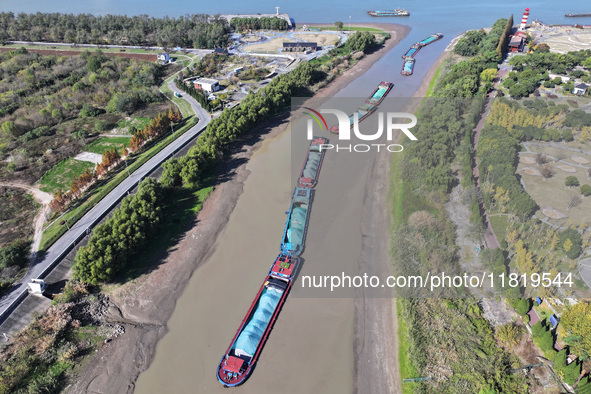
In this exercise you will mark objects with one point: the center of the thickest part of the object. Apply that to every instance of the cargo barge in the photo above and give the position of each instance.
(408, 66)
(577, 15)
(396, 12)
(370, 105)
(239, 360)
(294, 234)
(362, 112)
(412, 51)
(431, 39)
(311, 168)
(380, 93)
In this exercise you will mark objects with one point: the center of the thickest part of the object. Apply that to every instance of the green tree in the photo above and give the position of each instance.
(571, 181)
(586, 190)
(523, 306)
(14, 254)
(339, 25)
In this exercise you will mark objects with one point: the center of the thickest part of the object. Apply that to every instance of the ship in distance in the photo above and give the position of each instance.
(395, 12)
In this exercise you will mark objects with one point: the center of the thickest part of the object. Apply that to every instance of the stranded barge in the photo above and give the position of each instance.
(408, 66)
(238, 361)
(313, 162)
(370, 106)
(294, 234)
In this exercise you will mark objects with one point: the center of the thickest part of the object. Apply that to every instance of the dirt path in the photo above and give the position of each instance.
(42, 198)
(489, 235)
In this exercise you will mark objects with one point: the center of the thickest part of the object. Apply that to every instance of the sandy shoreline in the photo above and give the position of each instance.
(145, 305)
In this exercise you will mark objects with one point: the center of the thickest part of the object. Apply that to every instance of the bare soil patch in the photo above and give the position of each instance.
(527, 159)
(579, 159)
(552, 213)
(566, 168)
(532, 171)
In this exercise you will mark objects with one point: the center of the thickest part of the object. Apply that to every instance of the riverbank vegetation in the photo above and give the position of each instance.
(196, 30)
(532, 70)
(448, 340)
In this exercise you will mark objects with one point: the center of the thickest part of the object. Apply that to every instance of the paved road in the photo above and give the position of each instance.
(62, 246)
(200, 52)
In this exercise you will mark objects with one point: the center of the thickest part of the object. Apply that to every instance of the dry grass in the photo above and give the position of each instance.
(270, 46)
(322, 39)
(554, 193)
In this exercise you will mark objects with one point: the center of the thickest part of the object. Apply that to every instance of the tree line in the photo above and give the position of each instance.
(199, 30)
(114, 242)
(262, 23)
(492, 45)
(497, 163)
(233, 122)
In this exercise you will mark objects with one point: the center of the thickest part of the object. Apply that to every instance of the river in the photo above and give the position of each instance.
(311, 346)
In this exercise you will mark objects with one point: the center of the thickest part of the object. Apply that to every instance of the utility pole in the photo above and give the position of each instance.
(172, 127)
(128, 174)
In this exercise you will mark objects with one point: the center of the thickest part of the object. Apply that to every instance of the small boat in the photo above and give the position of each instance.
(396, 12)
(380, 93)
(408, 66)
(431, 39)
(238, 361)
(294, 234)
(313, 162)
(412, 51)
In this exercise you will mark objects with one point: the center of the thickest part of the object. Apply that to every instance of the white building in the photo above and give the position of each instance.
(207, 84)
(580, 89)
(564, 78)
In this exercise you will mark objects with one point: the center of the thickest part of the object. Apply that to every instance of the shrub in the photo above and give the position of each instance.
(14, 254)
(571, 181)
(586, 190)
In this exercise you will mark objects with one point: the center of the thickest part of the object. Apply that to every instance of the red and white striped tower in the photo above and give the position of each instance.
(524, 19)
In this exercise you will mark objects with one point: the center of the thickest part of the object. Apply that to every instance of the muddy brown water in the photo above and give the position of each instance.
(311, 344)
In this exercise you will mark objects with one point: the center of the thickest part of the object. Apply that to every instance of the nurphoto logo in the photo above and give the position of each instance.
(347, 123)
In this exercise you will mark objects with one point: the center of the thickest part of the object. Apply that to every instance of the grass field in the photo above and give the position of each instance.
(353, 28)
(407, 370)
(554, 193)
(61, 175)
(138, 123)
(434, 80)
(270, 46)
(499, 225)
(322, 39)
(183, 104)
(56, 229)
(103, 144)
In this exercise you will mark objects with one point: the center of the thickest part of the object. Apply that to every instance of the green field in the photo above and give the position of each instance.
(61, 175)
(138, 123)
(105, 143)
(52, 232)
(353, 28)
(407, 369)
(499, 225)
